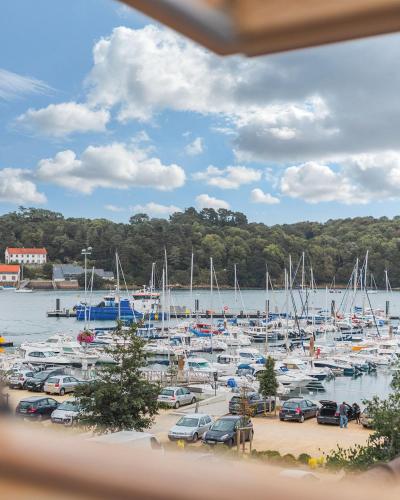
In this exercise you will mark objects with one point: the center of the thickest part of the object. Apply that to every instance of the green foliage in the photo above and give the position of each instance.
(227, 236)
(47, 271)
(98, 283)
(121, 398)
(268, 381)
(384, 443)
(304, 458)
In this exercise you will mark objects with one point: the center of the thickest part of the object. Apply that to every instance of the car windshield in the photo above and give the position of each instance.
(41, 376)
(53, 380)
(25, 404)
(224, 425)
(167, 392)
(291, 404)
(69, 406)
(188, 422)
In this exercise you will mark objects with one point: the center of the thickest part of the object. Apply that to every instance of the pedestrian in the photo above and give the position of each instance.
(343, 415)
(357, 412)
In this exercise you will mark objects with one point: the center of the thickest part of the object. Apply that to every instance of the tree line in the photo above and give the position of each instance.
(227, 236)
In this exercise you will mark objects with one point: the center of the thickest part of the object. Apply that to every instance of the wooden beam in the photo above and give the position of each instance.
(257, 27)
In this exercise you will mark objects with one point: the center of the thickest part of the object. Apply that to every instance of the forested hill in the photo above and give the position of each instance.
(227, 236)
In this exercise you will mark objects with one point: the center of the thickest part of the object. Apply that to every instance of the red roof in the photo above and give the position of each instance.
(9, 268)
(41, 251)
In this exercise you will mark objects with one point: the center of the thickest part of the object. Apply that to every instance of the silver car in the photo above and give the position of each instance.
(191, 427)
(66, 413)
(17, 378)
(61, 384)
(176, 396)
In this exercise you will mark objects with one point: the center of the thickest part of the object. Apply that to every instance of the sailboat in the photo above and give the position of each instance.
(23, 289)
(333, 288)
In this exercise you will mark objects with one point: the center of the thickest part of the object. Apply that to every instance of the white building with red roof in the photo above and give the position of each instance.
(29, 256)
(9, 274)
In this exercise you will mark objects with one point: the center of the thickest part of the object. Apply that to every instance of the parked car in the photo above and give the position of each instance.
(61, 384)
(17, 378)
(253, 402)
(224, 430)
(298, 409)
(191, 427)
(329, 413)
(36, 383)
(131, 439)
(176, 396)
(366, 420)
(36, 408)
(66, 412)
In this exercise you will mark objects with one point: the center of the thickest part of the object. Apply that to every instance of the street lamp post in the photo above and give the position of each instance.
(86, 251)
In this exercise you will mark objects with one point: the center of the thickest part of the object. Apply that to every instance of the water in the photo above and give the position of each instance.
(23, 318)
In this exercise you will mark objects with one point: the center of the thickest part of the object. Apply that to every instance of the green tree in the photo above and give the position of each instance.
(98, 283)
(384, 444)
(47, 270)
(121, 398)
(268, 382)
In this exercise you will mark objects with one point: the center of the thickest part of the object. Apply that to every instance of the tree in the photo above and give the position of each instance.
(384, 444)
(268, 382)
(47, 270)
(121, 398)
(98, 283)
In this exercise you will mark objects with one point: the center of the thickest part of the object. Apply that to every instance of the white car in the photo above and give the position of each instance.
(190, 427)
(66, 413)
(176, 397)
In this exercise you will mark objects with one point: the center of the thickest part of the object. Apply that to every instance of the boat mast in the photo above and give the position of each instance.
(163, 302)
(235, 279)
(211, 301)
(118, 295)
(287, 309)
(191, 281)
(302, 273)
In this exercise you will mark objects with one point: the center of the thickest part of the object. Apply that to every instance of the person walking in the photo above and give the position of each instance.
(343, 415)
(357, 412)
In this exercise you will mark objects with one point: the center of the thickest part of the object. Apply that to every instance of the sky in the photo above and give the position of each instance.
(105, 113)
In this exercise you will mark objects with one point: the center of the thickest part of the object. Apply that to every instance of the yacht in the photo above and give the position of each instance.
(38, 356)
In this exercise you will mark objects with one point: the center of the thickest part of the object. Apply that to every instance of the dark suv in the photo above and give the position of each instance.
(329, 413)
(36, 408)
(224, 430)
(252, 403)
(298, 409)
(36, 383)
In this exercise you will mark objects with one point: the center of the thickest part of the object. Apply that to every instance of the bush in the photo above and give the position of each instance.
(304, 458)
(289, 459)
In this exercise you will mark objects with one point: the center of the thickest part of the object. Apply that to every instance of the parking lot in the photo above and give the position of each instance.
(269, 433)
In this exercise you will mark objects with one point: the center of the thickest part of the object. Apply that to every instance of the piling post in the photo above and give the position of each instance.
(333, 310)
(387, 308)
(238, 440)
(267, 309)
(58, 305)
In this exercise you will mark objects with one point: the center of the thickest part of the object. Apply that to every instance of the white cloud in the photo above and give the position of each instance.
(258, 196)
(314, 183)
(195, 147)
(355, 179)
(114, 208)
(15, 187)
(62, 119)
(156, 210)
(206, 201)
(231, 177)
(13, 85)
(112, 166)
(132, 72)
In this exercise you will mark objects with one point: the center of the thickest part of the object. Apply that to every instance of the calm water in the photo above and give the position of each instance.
(23, 317)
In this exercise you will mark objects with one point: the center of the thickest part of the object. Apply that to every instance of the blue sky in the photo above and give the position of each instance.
(102, 115)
